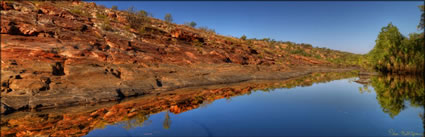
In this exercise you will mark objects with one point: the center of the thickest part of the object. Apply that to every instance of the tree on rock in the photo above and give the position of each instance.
(191, 24)
(168, 17)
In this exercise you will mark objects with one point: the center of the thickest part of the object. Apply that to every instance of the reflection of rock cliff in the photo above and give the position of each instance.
(78, 121)
(60, 53)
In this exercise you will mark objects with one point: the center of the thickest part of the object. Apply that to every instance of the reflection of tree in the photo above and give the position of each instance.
(364, 89)
(167, 121)
(308, 80)
(392, 91)
(136, 121)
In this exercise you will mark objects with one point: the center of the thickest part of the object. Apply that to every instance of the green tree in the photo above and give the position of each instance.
(191, 24)
(168, 17)
(387, 44)
(243, 37)
(422, 21)
(394, 53)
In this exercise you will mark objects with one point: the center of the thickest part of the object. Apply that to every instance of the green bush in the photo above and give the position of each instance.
(243, 37)
(135, 20)
(206, 29)
(100, 16)
(168, 18)
(191, 24)
(143, 13)
(106, 26)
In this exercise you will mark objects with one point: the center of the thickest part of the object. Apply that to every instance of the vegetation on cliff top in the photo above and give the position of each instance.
(266, 48)
(392, 53)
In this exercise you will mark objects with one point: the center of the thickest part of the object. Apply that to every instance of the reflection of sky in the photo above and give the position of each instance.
(334, 108)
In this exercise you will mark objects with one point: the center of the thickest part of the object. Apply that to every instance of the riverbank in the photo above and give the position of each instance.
(80, 120)
(67, 53)
(94, 84)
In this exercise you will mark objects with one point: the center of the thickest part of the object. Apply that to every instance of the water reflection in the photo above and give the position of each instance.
(78, 121)
(137, 121)
(167, 121)
(395, 93)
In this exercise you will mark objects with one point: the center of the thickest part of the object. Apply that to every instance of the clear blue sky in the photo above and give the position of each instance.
(346, 26)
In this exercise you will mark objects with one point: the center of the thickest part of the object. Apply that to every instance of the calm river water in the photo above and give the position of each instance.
(381, 106)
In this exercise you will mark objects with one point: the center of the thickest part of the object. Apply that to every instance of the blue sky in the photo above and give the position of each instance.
(347, 26)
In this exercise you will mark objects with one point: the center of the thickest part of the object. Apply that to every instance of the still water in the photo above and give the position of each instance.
(381, 106)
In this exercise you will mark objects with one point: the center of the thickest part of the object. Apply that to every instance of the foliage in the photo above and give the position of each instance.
(266, 39)
(137, 121)
(243, 37)
(191, 24)
(106, 26)
(114, 7)
(393, 90)
(135, 19)
(394, 53)
(100, 15)
(300, 52)
(168, 18)
(144, 13)
(422, 21)
(78, 10)
(305, 45)
(206, 29)
(105, 23)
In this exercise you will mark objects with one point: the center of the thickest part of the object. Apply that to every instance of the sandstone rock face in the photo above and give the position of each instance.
(66, 53)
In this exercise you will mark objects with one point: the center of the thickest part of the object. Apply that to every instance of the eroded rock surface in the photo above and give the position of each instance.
(68, 53)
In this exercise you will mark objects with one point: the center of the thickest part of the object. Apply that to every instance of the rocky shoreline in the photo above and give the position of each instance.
(80, 120)
(67, 53)
(94, 84)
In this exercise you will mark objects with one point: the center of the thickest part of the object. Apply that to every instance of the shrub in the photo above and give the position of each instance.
(100, 16)
(191, 24)
(305, 45)
(114, 7)
(243, 37)
(143, 13)
(266, 39)
(168, 17)
(134, 19)
(78, 10)
(106, 26)
(206, 29)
